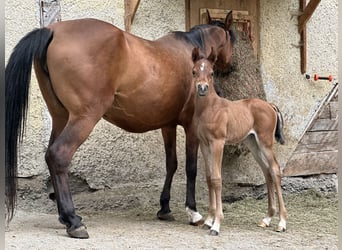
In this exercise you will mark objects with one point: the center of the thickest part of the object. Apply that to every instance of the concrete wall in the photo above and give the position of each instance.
(115, 157)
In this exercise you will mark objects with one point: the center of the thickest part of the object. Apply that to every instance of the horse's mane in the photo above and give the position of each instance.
(195, 35)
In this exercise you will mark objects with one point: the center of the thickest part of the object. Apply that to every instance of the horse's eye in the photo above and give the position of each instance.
(212, 74)
(193, 73)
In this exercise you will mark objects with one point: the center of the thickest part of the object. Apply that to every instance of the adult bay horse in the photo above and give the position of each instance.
(88, 69)
(219, 121)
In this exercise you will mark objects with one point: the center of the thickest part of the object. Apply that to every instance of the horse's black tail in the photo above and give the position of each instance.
(278, 134)
(17, 78)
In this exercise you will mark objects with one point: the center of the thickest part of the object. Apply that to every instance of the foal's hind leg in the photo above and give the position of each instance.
(58, 158)
(265, 157)
(262, 161)
(275, 173)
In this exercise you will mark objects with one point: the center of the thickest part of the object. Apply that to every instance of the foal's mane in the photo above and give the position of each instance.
(195, 36)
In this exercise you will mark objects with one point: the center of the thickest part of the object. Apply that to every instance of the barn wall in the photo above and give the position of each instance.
(113, 156)
(284, 84)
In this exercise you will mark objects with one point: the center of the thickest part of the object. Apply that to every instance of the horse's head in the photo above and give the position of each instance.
(223, 40)
(203, 72)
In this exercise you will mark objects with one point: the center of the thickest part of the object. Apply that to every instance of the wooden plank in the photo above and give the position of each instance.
(330, 111)
(319, 137)
(311, 164)
(307, 13)
(324, 125)
(317, 147)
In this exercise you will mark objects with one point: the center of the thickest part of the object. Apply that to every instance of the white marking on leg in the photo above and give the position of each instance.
(193, 215)
(282, 225)
(216, 227)
(209, 221)
(267, 221)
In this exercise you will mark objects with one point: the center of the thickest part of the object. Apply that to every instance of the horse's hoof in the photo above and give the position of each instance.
(280, 229)
(166, 216)
(213, 233)
(197, 223)
(206, 227)
(80, 232)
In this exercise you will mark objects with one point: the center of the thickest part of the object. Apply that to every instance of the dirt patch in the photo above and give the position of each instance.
(312, 224)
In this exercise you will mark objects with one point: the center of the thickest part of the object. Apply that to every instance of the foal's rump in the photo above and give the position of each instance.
(264, 113)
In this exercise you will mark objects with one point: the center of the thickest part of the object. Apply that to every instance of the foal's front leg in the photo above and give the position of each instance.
(212, 154)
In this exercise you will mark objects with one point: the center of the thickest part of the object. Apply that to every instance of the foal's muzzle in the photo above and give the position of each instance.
(202, 89)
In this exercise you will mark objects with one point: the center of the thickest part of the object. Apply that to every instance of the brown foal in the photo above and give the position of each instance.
(218, 122)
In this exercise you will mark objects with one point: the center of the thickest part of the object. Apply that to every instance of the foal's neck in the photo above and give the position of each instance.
(205, 102)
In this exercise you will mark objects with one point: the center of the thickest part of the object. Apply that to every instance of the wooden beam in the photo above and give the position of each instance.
(302, 6)
(131, 7)
(307, 13)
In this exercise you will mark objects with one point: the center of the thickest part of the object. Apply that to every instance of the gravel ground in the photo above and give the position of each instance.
(312, 224)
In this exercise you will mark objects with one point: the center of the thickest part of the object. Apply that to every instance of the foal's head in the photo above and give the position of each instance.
(202, 72)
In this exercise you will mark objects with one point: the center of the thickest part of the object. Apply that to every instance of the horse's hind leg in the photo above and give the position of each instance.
(169, 136)
(58, 158)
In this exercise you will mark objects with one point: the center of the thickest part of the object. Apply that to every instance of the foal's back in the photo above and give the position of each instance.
(237, 119)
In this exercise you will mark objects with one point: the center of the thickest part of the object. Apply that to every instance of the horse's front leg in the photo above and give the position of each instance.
(192, 144)
(169, 136)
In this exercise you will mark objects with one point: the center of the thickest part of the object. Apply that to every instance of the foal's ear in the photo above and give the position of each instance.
(208, 17)
(195, 54)
(229, 20)
(213, 56)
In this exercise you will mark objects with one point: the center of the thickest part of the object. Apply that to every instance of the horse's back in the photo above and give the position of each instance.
(136, 84)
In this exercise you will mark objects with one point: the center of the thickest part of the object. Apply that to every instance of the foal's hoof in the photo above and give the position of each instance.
(280, 229)
(263, 224)
(213, 233)
(80, 232)
(166, 216)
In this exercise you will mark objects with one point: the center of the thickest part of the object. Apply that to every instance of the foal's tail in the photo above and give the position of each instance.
(17, 79)
(278, 134)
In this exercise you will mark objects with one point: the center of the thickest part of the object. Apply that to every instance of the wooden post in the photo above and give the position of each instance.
(302, 20)
(131, 7)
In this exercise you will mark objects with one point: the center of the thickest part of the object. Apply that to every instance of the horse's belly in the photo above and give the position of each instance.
(141, 119)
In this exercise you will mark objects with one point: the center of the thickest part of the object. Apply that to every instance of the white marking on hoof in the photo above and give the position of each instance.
(209, 222)
(194, 216)
(216, 228)
(265, 222)
(281, 226)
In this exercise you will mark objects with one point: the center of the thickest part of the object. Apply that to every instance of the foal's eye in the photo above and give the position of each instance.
(212, 74)
(193, 73)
